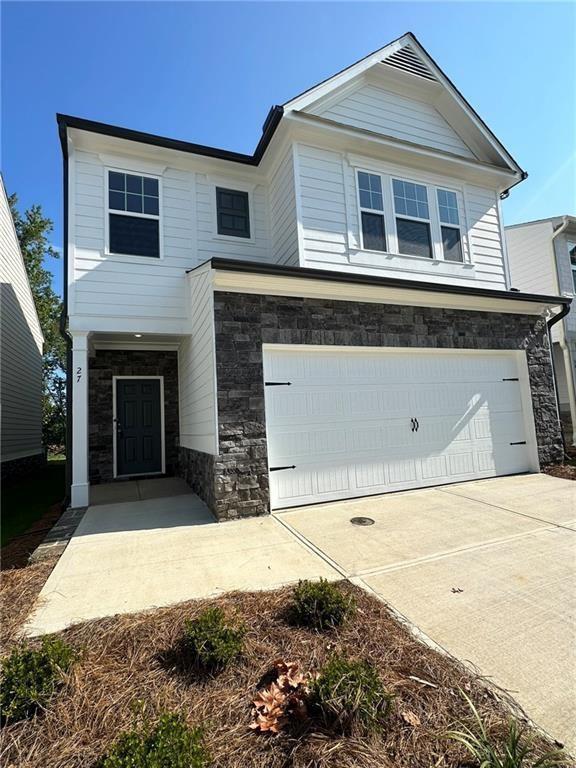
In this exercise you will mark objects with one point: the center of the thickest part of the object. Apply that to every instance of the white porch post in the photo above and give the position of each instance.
(80, 485)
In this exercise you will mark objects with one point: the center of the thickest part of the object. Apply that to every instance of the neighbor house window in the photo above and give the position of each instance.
(572, 248)
(371, 211)
(449, 225)
(412, 218)
(134, 214)
(232, 212)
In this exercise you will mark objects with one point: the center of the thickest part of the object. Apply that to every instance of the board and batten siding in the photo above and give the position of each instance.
(326, 186)
(197, 369)
(20, 349)
(375, 109)
(283, 218)
(130, 288)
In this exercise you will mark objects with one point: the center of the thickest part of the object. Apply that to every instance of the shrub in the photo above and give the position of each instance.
(169, 744)
(515, 751)
(210, 642)
(350, 696)
(30, 677)
(320, 604)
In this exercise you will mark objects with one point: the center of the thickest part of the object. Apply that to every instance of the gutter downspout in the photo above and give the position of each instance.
(62, 132)
(549, 323)
(566, 352)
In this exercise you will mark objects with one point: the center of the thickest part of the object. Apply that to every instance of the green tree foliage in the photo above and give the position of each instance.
(33, 230)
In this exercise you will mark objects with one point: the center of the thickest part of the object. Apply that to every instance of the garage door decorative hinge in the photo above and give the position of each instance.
(277, 383)
(520, 442)
(277, 469)
(516, 379)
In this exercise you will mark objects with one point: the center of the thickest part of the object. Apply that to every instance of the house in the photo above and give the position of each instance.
(329, 317)
(21, 343)
(542, 256)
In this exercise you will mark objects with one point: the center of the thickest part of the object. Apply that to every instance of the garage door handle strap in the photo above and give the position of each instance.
(413, 425)
(277, 469)
(520, 442)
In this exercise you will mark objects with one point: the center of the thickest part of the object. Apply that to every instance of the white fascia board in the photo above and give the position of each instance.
(237, 282)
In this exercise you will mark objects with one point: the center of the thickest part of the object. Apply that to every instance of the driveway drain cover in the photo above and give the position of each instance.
(361, 521)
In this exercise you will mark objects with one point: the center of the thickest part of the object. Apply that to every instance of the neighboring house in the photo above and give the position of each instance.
(329, 317)
(542, 257)
(21, 343)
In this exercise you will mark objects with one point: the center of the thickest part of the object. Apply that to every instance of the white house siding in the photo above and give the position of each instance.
(196, 369)
(565, 279)
(108, 289)
(531, 258)
(326, 185)
(20, 349)
(376, 109)
(283, 218)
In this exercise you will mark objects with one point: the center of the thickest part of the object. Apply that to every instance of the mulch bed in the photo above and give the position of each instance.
(565, 471)
(128, 658)
(16, 553)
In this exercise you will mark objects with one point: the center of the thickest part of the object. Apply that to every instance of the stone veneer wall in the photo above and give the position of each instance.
(102, 367)
(235, 483)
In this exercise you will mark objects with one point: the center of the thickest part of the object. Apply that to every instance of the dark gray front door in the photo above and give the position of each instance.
(138, 426)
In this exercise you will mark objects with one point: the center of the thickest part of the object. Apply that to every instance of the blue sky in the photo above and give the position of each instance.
(208, 72)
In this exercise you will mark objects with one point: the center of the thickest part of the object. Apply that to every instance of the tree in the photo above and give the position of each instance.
(33, 231)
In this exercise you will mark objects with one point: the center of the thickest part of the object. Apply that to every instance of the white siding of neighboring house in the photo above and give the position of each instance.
(375, 109)
(565, 279)
(20, 349)
(118, 292)
(283, 219)
(197, 371)
(326, 184)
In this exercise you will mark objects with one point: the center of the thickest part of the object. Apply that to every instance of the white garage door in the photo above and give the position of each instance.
(345, 423)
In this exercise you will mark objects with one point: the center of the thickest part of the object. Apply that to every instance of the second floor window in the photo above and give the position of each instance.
(412, 218)
(232, 212)
(372, 211)
(449, 225)
(133, 214)
(572, 251)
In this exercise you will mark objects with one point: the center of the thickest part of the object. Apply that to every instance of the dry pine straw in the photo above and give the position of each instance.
(127, 658)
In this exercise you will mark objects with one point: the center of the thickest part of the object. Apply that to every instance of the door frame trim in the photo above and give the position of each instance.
(115, 379)
(519, 355)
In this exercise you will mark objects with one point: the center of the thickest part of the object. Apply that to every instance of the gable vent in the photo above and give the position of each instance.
(407, 60)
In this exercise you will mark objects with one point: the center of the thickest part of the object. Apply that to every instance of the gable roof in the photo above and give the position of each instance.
(407, 55)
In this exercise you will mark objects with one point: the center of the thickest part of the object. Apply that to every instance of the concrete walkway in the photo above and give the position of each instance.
(485, 569)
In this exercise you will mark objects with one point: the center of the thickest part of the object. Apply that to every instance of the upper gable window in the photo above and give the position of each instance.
(133, 214)
(232, 213)
(372, 211)
(412, 218)
(450, 225)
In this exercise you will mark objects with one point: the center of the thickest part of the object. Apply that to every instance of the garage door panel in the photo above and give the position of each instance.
(355, 423)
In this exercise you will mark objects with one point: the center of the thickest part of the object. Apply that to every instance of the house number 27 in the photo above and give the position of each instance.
(78, 373)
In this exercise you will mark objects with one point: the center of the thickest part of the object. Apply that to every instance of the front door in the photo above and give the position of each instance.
(138, 427)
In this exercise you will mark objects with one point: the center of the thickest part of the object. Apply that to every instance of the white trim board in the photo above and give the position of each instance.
(162, 426)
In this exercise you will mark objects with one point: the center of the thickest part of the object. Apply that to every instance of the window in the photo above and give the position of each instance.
(232, 213)
(572, 251)
(371, 211)
(449, 225)
(412, 218)
(135, 231)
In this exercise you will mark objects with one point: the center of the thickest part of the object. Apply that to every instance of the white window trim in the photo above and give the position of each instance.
(371, 210)
(234, 186)
(132, 258)
(115, 379)
(450, 225)
(433, 221)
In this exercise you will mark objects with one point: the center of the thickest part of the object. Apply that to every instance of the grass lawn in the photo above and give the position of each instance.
(134, 662)
(27, 500)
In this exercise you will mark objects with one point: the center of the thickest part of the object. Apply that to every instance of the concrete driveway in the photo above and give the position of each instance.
(485, 569)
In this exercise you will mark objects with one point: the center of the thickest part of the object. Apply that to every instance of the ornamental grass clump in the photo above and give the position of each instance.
(515, 750)
(350, 697)
(211, 641)
(170, 743)
(30, 676)
(320, 605)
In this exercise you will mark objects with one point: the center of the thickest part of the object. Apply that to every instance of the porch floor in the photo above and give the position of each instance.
(138, 490)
